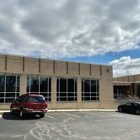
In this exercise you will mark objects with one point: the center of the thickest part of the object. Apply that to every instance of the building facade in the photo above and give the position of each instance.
(65, 85)
(125, 86)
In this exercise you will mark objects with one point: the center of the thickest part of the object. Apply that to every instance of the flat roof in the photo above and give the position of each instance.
(52, 59)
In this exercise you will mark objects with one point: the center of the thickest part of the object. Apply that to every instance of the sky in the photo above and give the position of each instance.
(105, 32)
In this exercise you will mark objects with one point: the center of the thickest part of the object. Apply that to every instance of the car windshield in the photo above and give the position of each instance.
(36, 99)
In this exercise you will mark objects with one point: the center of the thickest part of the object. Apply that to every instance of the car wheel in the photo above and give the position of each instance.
(138, 112)
(11, 109)
(21, 113)
(120, 109)
(42, 115)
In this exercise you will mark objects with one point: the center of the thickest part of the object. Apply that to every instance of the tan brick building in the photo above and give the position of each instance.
(126, 85)
(65, 85)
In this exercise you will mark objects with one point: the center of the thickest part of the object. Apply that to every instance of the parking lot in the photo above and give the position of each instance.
(71, 126)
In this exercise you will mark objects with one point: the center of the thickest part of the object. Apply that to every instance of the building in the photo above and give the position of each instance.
(126, 86)
(65, 85)
(126, 89)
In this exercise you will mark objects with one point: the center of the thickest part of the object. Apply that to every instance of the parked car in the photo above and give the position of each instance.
(133, 107)
(29, 104)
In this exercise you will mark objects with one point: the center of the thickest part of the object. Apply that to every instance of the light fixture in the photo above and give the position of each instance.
(107, 70)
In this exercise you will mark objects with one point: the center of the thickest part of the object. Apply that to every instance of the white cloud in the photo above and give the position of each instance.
(125, 66)
(68, 28)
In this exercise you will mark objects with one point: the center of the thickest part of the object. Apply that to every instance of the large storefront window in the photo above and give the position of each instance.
(39, 85)
(90, 90)
(66, 89)
(9, 88)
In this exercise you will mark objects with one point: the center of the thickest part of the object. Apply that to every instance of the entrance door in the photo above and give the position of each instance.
(120, 93)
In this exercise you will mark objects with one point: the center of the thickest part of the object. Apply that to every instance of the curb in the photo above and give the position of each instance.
(74, 110)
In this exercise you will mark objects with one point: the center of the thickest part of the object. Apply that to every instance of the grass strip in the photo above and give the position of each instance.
(1, 113)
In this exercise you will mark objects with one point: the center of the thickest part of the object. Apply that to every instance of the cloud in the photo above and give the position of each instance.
(66, 28)
(125, 66)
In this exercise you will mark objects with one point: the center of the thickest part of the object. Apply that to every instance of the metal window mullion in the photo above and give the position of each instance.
(29, 84)
(83, 83)
(74, 88)
(5, 90)
(90, 90)
(66, 89)
(97, 90)
(59, 89)
(96, 87)
(39, 85)
(50, 92)
(47, 87)
(16, 88)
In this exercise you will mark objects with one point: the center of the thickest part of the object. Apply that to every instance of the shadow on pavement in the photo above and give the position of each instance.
(9, 116)
(130, 113)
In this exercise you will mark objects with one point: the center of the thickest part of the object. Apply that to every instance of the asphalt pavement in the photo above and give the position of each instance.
(72, 125)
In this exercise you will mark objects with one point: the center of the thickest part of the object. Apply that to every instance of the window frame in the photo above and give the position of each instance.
(6, 94)
(66, 97)
(89, 95)
(46, 94)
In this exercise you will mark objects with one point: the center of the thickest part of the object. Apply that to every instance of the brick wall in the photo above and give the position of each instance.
(25, 66)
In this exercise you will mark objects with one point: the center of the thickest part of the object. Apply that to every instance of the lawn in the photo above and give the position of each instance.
(1, 113)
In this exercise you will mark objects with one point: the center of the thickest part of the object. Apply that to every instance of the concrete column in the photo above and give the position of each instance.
(23, 84)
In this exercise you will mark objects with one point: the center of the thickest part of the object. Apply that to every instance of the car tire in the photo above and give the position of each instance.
(138, 112)
(21, 113)
(120, 109)
(42, 115)
(11, 109)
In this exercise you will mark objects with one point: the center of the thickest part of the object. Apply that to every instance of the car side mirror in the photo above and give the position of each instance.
(17, 100)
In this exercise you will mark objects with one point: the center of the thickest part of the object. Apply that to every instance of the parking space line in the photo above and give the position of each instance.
(101, 115)
(49, 116)
(94, 114)
(90, 114)
(71, 115)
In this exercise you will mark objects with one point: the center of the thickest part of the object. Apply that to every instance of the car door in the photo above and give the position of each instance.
(16, 104)
(127, 107)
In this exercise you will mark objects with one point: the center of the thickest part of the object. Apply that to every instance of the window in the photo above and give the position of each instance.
(9, 88)
(39, 85)
(90, 90)
(66, 89)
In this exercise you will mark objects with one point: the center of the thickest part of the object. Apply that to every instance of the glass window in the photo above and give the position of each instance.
(9, 88)
(43, 84)
(18, 83)
(87, 85)
(71, 85)
(10, 83)
(34, 84)
(66, 89)
(36, 99)
(63, 85)
(2, 83)
(90, 89)
(93, 86)
(39, 85)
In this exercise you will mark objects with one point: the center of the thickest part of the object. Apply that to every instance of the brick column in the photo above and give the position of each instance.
(23, 84)
(53, 90)
(79, 93)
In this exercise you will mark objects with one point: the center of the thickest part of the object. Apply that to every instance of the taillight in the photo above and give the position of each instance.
(45, 106)
(26, 106)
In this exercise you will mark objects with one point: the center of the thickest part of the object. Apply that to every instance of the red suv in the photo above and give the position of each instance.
(29, 103)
